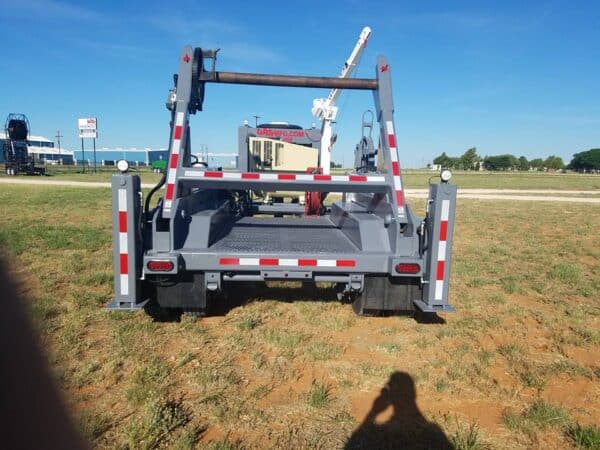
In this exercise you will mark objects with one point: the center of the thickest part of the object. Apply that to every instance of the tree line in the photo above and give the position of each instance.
(588, 161)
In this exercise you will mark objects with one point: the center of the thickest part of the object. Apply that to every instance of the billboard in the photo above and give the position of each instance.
(88, 127)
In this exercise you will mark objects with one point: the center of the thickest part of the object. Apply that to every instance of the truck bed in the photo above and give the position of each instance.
(311, 235)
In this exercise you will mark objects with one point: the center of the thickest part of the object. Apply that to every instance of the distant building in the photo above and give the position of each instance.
(110, 156)
(42, 149)
(144, 157)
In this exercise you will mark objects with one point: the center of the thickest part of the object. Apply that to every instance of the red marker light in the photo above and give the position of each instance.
(409, 268)
(160, 266)
(384, 68)
(186, 58)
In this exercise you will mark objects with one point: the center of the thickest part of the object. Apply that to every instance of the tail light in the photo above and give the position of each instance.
(408, 268)
(160, 265)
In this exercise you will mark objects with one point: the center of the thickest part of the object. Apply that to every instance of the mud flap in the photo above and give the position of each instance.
(385, 294)
(188, 292)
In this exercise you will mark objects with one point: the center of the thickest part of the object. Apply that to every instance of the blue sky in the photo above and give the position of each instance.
(506, 77)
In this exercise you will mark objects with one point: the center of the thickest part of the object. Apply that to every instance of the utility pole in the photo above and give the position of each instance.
(256, 117)
(82, 155)
(94, 155)
(58, 136)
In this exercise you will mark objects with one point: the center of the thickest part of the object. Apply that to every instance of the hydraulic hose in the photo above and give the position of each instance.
(153, 191)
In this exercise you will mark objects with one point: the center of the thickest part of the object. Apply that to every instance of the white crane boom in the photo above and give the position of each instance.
(325, 110)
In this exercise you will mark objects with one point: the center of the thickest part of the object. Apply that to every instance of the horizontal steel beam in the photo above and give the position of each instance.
(289, 80)
(285, 181)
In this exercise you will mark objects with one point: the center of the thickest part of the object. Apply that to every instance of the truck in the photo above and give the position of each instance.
(16, 153)
(204, 234)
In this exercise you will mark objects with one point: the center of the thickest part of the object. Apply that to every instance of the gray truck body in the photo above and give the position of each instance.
(206, 234)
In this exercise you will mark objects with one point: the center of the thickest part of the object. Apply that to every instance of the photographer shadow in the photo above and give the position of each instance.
(407, 428)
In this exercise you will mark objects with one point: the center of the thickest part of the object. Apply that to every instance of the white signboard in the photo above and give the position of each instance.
(88, 127)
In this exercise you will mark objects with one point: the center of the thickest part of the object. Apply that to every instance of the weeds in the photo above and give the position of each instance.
(467, 438)
(249, 322)
(545, 415)
(185, 358)
(148, 380)
(567, 273)
(286, 340)
(323, 351)
(224, 444)
(540, 415)
(533, 377)
(258, 360)
(584, 436)
(441, 385)
(388, 347)
(319, 395)
(510, 285)
(92, 426)
(160, 419)
(512, 351)
(485, 357)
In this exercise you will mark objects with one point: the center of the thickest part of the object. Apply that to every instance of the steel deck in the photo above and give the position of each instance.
(313, 235)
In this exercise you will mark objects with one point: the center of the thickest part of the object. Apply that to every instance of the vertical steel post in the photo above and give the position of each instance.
(127, 241)
(384, 105)
(179, 128)
(441, 206)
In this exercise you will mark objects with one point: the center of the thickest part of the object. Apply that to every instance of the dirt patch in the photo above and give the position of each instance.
(581, 395)
(589, 355)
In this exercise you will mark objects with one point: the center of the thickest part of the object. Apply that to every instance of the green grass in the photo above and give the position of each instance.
(511, 351)
(585, 436)
(388, 347)
(540, 415)
(319, 395)
(286, 340)
(161, 418)
(566, 273)
(412, 178)
(545, 415)
(148, 380)
(323, 351)
(249, 322)
(93, 425)
(242, 377)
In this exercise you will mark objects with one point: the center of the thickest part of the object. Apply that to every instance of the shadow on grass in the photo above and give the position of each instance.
(428, 318)
(242, 293)
(238, 294)
(406, 426)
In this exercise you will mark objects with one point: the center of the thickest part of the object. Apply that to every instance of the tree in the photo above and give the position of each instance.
(589, 160)
(446, 161)
(554, 162)
(523, 163)
(469, 159)
(537, 163)
(500, 162)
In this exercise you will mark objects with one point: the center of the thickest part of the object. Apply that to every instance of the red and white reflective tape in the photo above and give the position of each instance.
(174, 160)
(279, 262)
(395, 165)
(282, 176)
(441, 251)
(123, 254)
